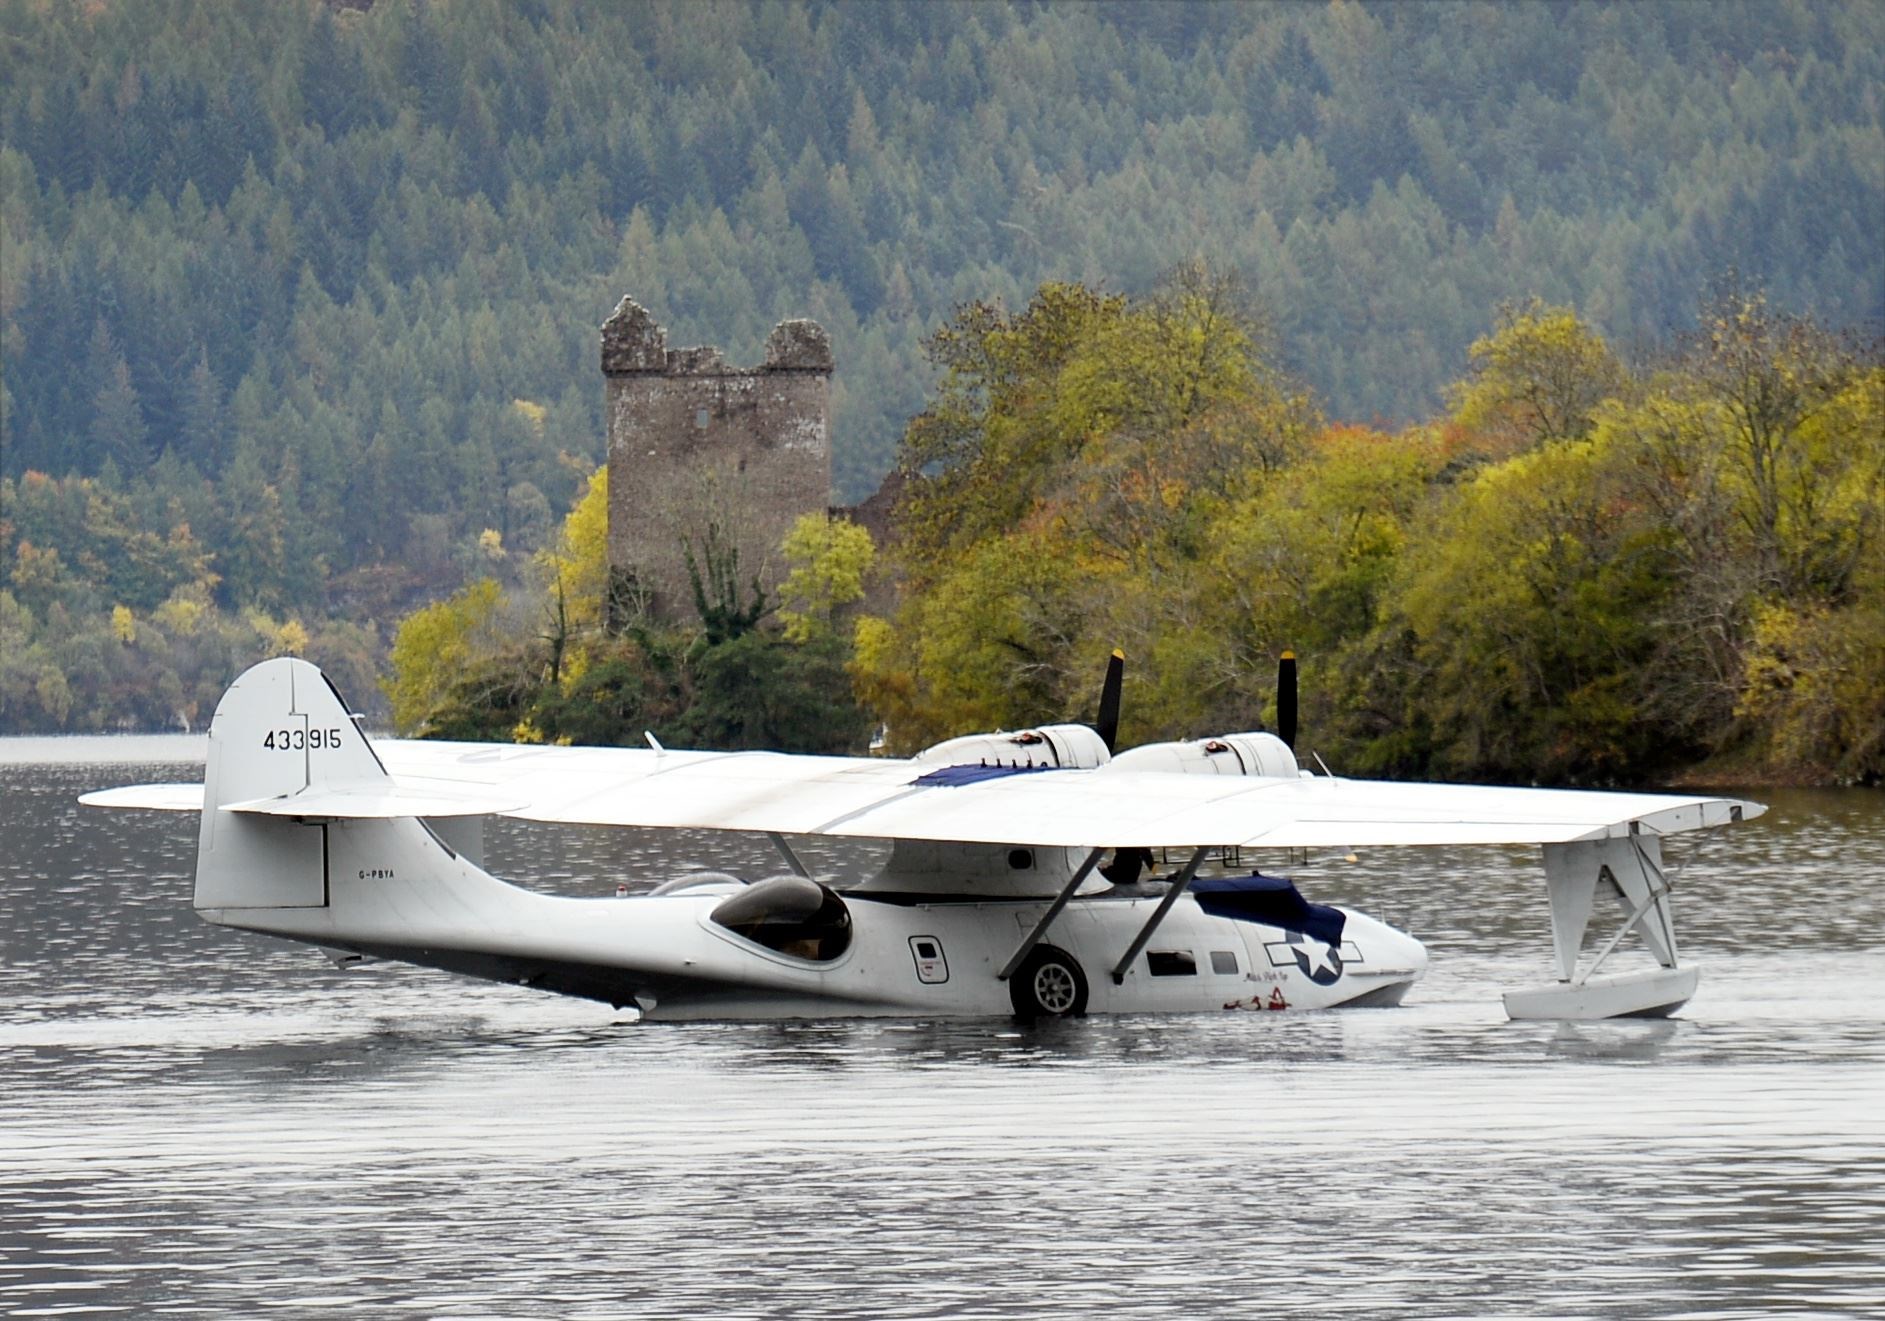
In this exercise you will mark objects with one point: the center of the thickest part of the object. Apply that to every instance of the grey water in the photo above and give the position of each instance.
(198, 1123)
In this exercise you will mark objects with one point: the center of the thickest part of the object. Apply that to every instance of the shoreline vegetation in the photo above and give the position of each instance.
(1199, 330)
(1583, 573)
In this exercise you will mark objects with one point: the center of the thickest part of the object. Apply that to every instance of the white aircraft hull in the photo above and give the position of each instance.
(390, 889)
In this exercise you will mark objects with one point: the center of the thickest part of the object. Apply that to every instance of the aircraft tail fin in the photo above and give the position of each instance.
(279, 731)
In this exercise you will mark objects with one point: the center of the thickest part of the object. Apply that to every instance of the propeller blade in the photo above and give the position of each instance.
(1286, 699)
(1108, 724)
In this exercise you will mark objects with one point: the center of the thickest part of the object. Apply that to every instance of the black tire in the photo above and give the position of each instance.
(1048, 984)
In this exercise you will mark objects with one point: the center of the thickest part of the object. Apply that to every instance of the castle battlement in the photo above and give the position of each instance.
(634, 344)
(695, 441)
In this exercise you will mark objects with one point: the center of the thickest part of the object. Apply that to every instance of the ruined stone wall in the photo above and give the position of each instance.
(694, 442)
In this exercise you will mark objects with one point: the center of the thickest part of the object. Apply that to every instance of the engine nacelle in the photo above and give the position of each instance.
(1073, 746)
(1254, 754)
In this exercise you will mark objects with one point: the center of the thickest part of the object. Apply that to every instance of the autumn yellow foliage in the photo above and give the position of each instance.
(1580, 573)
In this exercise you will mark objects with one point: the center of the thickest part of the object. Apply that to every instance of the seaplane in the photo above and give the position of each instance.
(1023, 874)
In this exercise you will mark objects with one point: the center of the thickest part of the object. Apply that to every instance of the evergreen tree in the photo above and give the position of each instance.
(118, 434)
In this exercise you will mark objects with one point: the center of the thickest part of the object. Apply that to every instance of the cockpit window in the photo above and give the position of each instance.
(791, 915)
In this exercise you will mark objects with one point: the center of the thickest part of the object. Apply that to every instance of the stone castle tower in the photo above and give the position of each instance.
(694, 443)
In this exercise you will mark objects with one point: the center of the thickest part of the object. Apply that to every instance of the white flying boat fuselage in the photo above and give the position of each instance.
(991, 902)
(393, 894)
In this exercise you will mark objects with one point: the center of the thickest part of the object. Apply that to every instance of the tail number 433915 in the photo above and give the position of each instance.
(298, 740)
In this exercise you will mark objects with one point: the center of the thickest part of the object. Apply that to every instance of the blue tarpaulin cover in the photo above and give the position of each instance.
(1272, 900)
(955, 776)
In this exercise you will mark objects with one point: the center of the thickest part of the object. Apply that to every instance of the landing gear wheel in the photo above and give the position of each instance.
(1049, 984)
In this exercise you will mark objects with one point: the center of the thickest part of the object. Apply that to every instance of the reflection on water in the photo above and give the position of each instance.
(199, 1123)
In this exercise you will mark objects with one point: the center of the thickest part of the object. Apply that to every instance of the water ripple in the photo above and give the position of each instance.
(200, 1124)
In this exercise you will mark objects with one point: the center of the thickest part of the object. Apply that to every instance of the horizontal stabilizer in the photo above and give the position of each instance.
(380, 800)
(149, 797)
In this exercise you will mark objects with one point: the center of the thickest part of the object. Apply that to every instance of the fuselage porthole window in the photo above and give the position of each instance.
(932, 965)
(1224, 962)
(1171, 963)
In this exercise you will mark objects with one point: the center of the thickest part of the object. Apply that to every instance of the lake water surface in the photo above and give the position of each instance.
(199, 1123)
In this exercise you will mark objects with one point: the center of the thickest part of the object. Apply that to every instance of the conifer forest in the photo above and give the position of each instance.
(1517, 364)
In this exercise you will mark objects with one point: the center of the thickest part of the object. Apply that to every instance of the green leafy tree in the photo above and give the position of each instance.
(487, 701)
(1067, 491)
(756, 691)
(1760, 456)
(830, 561)
(1308, 564)
(1530, 619)
(608, 703)
(434, 648)
(1542, 373)
(1812, 684)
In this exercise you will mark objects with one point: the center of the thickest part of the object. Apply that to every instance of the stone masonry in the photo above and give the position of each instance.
(694, 443)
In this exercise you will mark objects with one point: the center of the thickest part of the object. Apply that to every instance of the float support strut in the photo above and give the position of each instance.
(1655, 896)
(1180, 884)
(1047, 919)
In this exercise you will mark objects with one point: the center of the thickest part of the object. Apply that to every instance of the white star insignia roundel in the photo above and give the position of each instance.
(1319, 962)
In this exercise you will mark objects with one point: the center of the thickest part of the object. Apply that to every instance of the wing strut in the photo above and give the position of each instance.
(785, 851)
(1180, 884)
(1047, 919)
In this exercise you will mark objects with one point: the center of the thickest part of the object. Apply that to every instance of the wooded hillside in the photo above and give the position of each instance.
(299, 303)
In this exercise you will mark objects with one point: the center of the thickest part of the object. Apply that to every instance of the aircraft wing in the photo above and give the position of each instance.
(354, 802)
(891, 799)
